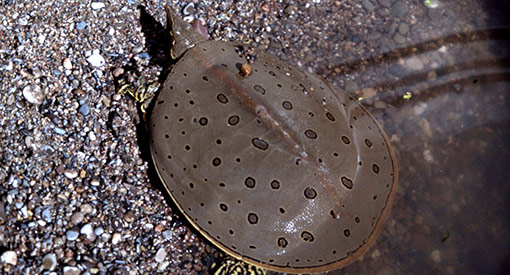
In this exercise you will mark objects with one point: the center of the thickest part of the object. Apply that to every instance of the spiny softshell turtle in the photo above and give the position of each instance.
(271, 164)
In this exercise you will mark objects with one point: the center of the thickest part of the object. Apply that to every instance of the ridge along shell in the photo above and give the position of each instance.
(277, 168)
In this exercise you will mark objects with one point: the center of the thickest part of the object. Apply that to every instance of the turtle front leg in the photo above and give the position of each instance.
(235, 267)
(142, 94)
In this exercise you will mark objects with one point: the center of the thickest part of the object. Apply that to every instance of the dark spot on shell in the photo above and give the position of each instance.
(275, 184)
(202, 121)
(304, 90)
(310, 193)
(368, 143)
(259, 89)
(287, 105)
(330, 116)
(216, 161)
(282, 242)
(347, 232)
(223, 207)
(249, 182)
(347, 182)
(346, 140)
(260, 143)
(375, 168)
(233, 120)
(307, 236)
(253, 218)
(222, 98)
(311, 134)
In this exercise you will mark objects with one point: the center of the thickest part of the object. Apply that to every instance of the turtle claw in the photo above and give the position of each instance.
(236, 267)
(143, 94)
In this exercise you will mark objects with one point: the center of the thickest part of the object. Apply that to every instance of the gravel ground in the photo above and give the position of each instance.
(77, 195)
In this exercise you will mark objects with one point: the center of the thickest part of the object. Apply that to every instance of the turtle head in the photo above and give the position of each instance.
(183, 36)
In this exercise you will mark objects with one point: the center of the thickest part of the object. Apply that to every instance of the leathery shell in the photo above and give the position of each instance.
(278, 168)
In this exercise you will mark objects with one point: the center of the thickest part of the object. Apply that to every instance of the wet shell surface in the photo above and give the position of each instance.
(276, 167)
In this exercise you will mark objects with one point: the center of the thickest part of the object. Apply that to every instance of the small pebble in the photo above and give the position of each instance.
(59, 131)
(72, 235)
(71, 174)
(367, 93)
(67, 64)
(99, 231)
(86, 208)
(431, 76)
(428, 156)
(87, 229)
(368, 5)
(403, 28)
(81, 25)
(414, 63)
(351, 86)
(399, 38)
(375, 254)
(92, 136)
(49, 262)
(46, 215)
(380, 105)
(167, 234)
(160, 255)
(399, 9)
(129, 216)
(77, 218)
(84, 109)
(96, 60)
(9, 257)
(116, 238)
(436, 256)
(94, 182)
(71, 270)
(97, 5)
(118, 71)
(33, 94)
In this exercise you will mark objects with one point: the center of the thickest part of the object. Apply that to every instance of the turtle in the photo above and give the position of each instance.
(276, 167)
